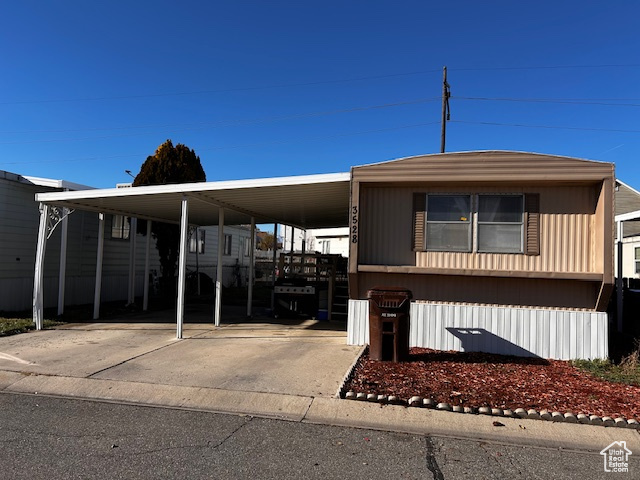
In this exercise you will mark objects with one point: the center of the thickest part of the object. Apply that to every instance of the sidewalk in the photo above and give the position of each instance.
(290, 372)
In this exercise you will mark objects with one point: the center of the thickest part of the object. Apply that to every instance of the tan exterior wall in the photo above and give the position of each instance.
(567, 222)
(574, 267)
(568, 294)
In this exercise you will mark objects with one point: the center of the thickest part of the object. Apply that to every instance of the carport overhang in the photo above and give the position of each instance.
(305, 202)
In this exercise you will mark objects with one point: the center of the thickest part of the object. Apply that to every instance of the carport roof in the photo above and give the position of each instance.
(310, 201)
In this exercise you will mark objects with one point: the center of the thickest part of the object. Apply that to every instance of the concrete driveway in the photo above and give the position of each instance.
(306, 358)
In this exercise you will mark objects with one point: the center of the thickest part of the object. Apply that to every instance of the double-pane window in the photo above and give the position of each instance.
(637, 259)
(120, 227)
(482, 223)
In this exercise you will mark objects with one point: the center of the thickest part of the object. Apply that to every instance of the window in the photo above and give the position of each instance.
(500, 223)
(480, 223)
(247, 247)
(449, 223)
(325, 246)
(227, 244)
(637, 259)
(120, 227)
(197, 238)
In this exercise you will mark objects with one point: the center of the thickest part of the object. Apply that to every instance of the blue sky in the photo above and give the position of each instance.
(259, 89)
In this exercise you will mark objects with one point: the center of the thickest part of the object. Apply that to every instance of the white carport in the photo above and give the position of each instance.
(311, 201)
(620, 219)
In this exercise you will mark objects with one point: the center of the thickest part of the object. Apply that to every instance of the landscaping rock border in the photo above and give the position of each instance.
(419, 402)
(568, 417)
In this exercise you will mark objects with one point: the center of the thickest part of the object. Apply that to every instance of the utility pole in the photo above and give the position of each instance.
(446, 113)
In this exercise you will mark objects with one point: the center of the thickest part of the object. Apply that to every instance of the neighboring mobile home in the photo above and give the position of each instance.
(19, 219)
(504, 252)
(628, 200)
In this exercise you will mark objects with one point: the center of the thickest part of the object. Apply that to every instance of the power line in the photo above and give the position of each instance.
(566, 101)
(221, 90)
(229, 147)
(548, 67)
(306, 84)
(552, 127)
(217, 124)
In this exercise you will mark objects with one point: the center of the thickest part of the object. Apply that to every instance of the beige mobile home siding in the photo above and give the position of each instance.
(567, 222)
(530, 292)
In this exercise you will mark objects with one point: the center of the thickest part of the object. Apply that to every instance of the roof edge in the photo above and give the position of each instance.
(470, 152)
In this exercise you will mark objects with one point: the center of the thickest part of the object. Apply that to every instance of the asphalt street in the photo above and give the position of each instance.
(47, 437)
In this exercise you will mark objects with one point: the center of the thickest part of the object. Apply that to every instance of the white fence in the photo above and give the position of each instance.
(526, 332)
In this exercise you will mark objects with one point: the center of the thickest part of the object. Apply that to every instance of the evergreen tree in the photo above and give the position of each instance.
(169, 165)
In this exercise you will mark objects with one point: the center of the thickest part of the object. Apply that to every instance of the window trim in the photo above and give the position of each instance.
(124, 229)
(477, 221)
(469, 222)
(529, 224)
(227, 247)
(197, 241)
(636, 252)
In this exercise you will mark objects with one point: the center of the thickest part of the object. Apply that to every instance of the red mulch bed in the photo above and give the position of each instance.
(497, 381)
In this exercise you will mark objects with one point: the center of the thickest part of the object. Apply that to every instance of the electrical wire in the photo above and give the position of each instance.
(566, 101)
(551, 127)
(306, 84)
(216, 124)
(229, 147)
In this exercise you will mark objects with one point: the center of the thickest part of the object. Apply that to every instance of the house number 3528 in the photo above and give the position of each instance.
(354, 224)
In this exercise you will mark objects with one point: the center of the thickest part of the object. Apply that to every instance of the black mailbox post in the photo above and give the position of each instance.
(389, 323)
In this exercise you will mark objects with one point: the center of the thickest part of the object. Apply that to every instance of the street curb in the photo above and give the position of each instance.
(557, 417)
(419, 421)
(268, 405)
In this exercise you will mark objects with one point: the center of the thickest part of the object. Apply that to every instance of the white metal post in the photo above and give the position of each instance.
(197, 242)
(218, 307)
(98, 288)
(63, 260)
(145, 298)
(133, 228)
(38, 276)
(252, 258)
(619, 296)
(273, 268)
(293, 232)
(182, 264)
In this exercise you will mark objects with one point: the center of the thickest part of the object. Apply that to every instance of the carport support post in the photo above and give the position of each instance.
(98, 288)
(182, 264)
(38, 276)
(252, 261)
(133, 233)
(218, 307)
(619, 298)
(273, 268)
(145, 298)
(63, 260)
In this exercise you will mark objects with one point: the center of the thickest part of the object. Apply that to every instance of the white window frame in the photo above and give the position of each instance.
(477, 221)
(120, 227)
(636, 252)
(474, 203)
(325, 246)
(469, 222)
(198, 238)
(228, 242)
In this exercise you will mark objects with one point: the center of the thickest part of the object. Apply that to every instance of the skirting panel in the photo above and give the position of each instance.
(526, 332)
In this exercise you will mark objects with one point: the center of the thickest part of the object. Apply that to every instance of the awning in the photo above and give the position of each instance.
(310, 201)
